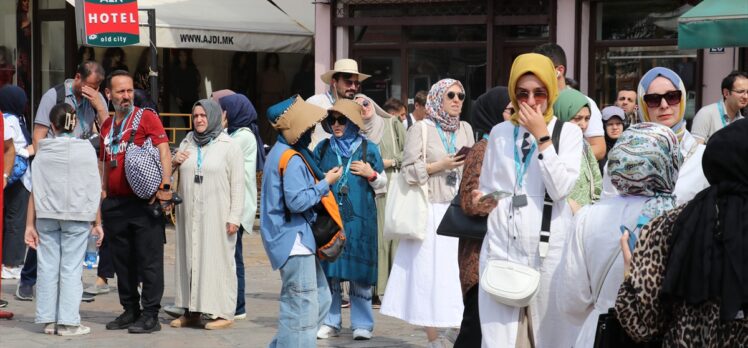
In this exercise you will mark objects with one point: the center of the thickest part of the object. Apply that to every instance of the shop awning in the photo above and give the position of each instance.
(714, 23)
(232, 25)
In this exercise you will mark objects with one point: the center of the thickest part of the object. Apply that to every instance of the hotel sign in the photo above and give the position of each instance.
(107, 23)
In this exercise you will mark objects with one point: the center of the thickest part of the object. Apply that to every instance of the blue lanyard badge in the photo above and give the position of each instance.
(116, 138)
(722, 113)
(343, 182)
(521, 165)
(449, 146)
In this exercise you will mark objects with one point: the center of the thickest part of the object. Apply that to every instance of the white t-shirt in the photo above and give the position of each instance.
(709, 120)
(13, 131)
(324, 101)
(299, 248)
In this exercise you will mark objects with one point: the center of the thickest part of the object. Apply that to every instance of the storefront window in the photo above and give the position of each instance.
(376, 34)
(8, 52)
(640, 19)
(428, 66)
(447, 33)
(386, 73)
(621, 68)
(53, 47)
(51, 4)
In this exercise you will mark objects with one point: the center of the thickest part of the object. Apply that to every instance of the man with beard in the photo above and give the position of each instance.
(136, 236)
(344, 81)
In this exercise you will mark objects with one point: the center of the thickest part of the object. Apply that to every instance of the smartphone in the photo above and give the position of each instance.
(632, 237)
(496, 195)
(464, 151)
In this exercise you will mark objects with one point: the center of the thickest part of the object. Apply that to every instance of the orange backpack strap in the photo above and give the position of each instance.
(328, 201)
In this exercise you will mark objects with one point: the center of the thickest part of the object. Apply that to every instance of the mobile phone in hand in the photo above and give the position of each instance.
(464, 151)
(496, 195)
(632, 238)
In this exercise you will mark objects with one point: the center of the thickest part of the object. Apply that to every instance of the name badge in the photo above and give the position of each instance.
(519, 201)
(113, 164)
(198, 179)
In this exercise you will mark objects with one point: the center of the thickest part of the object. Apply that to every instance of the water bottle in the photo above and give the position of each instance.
(91, 252)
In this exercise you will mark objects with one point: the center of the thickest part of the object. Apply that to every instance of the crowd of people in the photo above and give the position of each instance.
(584, 214)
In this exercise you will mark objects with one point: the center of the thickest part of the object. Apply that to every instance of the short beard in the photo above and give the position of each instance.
(124, 110)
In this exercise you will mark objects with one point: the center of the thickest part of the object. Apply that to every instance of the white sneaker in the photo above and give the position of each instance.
(361, 334)
(49, 328)
(240, 316)
(327, 332)
(11, 272)
(70, 330)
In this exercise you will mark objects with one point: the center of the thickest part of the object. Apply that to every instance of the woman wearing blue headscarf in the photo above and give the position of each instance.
(355, 192)
(662, 99)
(240, 121)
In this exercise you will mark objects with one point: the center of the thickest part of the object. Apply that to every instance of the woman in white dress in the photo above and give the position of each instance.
(643, 166)
(514, 225)
(662, 100)
(424, 285)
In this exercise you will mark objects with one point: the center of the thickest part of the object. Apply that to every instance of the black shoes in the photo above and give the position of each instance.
(147, 323)
(123, 321)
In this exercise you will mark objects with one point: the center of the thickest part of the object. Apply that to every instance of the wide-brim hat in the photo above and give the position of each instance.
(345, 66)
(293, 117)
(350, 109)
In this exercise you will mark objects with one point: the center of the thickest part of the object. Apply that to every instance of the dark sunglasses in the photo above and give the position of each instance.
(539, 95)
(350, 83)
(654, 100)
(340, 120)
(460, 95)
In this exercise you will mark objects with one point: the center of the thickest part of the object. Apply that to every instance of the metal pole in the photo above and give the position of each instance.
(153, 69)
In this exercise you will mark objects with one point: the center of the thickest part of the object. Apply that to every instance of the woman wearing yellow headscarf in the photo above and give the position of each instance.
(522, 161)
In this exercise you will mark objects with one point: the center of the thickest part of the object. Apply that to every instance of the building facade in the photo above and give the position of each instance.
(409, 44)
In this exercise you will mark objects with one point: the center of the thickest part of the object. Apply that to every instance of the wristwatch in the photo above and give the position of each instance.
(164, 187)
(543, 139)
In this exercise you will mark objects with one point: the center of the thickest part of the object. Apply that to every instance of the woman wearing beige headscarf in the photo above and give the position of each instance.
(388, 133)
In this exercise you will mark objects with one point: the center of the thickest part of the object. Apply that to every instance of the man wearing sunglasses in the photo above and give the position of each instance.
(714, 117)
(595, 134)
(344, 82)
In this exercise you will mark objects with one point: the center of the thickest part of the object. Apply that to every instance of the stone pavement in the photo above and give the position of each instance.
(257, 330)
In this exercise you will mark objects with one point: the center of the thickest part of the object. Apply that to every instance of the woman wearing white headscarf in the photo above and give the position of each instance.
(212, 187)
(388, 133)
(424, 286)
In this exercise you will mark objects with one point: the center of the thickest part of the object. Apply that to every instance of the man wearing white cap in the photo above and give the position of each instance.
(344, 81)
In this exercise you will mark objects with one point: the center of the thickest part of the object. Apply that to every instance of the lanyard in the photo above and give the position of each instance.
(116, 138)
(485, 136)
(344, 178)
(722, 113)
(449, 146)
(79, 109)
(521, 166)
(200, 158)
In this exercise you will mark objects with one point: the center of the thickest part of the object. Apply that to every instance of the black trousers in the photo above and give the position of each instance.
(16, 202)
(136, 243)
(106, 264)
(470, 332)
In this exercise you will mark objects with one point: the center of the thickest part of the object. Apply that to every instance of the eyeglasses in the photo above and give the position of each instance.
(350, 83)
(739, 92)
(654, 100)
(460, 95)
(339, 120)
(540, 95)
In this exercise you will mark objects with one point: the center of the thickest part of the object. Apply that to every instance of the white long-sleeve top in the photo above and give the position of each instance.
(691, 179)
(514, 233)
(592, 248)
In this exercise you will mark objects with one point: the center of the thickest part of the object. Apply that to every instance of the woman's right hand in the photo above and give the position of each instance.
(31, 237)
(180, 157)
(446, 163)
(333, 175)
(627, 256)
(485, 206)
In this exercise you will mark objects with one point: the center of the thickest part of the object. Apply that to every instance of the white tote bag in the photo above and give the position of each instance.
(406, 208)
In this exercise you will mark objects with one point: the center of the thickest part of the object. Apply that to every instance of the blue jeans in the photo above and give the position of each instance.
(239, 258)
(62, 245)
(362, 316)
(304, 302)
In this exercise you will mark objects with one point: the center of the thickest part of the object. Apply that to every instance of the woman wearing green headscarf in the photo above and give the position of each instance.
(573, 106)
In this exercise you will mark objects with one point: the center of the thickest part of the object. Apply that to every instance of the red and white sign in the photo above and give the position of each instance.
(107, 23)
